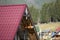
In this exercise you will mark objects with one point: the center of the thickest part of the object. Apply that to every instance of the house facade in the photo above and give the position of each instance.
(16, 23)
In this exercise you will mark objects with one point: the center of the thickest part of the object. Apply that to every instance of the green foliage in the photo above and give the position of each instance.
(50, 10)
(34, 12)
(47, 11)
(44, 13)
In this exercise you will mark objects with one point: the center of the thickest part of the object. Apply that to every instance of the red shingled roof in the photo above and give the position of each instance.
(58, 29)
(10, 16)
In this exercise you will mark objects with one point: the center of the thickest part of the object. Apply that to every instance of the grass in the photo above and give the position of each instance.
(51, 25)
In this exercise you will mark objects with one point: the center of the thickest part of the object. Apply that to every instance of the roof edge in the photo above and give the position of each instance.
(13, 5)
